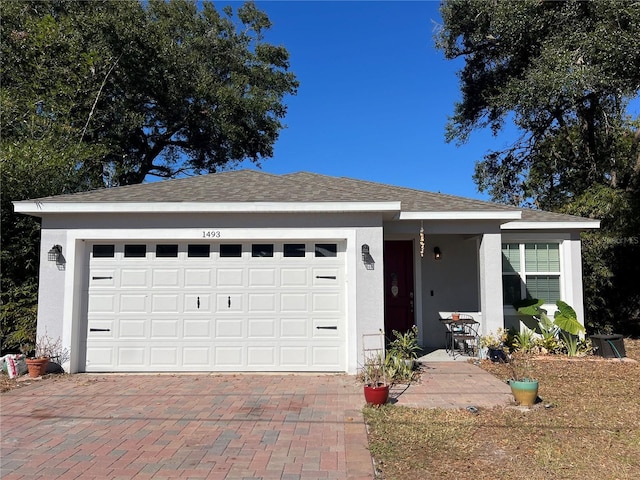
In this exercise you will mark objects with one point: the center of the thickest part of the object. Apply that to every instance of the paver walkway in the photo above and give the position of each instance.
(244, 426)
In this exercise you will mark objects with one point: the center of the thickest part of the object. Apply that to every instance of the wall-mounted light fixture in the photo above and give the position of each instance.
(437, 254)
(367, 259)
(55, 253)
(365, 252)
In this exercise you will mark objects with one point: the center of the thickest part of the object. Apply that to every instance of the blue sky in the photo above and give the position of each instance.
(374, 96)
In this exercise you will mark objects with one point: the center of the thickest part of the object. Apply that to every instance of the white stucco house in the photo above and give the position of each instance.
(248, 271)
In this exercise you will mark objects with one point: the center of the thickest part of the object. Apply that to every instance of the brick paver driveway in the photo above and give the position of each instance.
(186, 426)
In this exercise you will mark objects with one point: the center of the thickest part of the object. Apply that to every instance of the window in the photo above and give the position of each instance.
(262, 250)
(530, 270)
(198, 250)
(165, 251)
(294, 249)
(103, 251)
(230, 250)
(326, 250)
(135, 250)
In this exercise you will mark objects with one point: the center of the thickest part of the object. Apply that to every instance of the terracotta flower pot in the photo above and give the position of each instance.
(37, 366)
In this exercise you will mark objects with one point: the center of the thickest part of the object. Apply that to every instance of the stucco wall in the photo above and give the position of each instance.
(62, 300)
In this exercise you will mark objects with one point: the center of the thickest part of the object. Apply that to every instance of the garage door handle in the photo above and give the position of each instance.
(331, 327)
(326, 277)
(198, 302)
(99, 329)
(102, 278)
(229, 302)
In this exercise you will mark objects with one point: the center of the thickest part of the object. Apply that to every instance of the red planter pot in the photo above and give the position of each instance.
(376, 395)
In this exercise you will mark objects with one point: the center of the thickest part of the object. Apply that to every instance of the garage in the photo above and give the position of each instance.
(216, 306)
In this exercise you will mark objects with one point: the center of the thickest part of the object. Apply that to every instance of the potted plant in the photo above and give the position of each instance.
(405, 346)
(374, 376)
(495, 343)
(523, 386)
(44, 349)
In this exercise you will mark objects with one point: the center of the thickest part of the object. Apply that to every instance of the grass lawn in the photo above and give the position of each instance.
(586, 427)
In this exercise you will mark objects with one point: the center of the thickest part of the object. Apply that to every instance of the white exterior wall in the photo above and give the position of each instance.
(62, 308)
(490, 270)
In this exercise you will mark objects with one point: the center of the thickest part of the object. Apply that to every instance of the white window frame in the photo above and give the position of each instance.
(522, 272)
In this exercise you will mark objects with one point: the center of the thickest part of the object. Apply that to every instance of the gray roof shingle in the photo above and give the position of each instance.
(256, 186)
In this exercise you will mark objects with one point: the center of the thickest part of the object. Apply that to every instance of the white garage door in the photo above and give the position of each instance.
(261, 306)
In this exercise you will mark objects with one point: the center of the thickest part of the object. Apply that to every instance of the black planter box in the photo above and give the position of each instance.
(608, 346)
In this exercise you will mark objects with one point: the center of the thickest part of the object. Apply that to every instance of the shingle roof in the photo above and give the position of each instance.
(256, 186)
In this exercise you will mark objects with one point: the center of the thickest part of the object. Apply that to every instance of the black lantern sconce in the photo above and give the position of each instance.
(437, 254)
(367, 259)
(55, 253)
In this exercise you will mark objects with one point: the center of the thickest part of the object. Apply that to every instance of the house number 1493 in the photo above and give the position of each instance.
(211, 234)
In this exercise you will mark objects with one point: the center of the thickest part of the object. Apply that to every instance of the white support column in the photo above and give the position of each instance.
(572, 272)
(490, 256)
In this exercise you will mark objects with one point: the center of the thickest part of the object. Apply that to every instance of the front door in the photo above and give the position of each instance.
(398, 286)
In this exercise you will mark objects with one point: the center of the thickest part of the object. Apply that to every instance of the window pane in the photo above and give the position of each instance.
(230, 250)
(166, 251)
(103, 251)
(198, 250)
(542, 257)
(294, 249)
(137, 251)
(511, 289)
(510, 257)
(544, 287)
(262, 250)
(326, 249)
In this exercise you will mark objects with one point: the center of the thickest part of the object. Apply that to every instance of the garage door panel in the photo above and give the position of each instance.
(197, 303)
(261, 356)
(229, 277)
(164, 356)
(196, 357)
(132, 329)
(163, 278)
(262, 277)
(197, 277)
(326, 302)
(102, 303)
(262, 328)
(197, 329)
(229, 328)
(130, 303)
(165, 303)
(102, 278)
(227, 314)
(130, 356)
(294, 277)
(294, 328)
(294, 357)
(293, 302)
(165, 328)
(229, 303)
(262, 302)
(229, 356)
(134, 278)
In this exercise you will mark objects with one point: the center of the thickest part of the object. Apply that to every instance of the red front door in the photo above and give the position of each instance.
(398, 286)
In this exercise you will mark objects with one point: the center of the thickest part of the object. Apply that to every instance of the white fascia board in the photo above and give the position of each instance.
(462, 215)
(578, 225)
(40, 208)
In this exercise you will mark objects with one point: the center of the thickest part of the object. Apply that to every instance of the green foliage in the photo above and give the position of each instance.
(401, 354)
(166, 88)
(525, 340)
(563, 73)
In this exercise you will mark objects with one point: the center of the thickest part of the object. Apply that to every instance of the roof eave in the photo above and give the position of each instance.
(462, 215)
(570, 225)
(39, 208)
